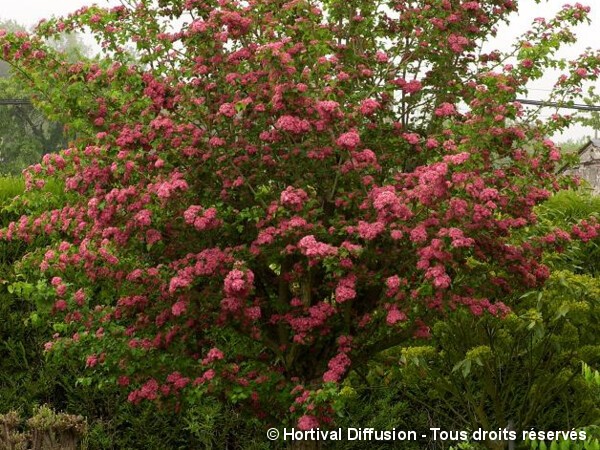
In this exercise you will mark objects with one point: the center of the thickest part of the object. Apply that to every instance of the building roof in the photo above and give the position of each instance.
(594, 142)
(582, 150)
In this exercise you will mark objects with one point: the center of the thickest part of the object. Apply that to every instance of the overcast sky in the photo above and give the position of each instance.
(29, 12)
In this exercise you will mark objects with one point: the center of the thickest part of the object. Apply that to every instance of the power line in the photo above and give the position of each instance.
(578, 106)
(14, 101)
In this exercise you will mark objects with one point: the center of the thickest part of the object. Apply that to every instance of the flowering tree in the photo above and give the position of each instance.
(270, 193)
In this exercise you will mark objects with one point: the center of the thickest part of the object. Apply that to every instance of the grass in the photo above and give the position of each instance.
(10, 187)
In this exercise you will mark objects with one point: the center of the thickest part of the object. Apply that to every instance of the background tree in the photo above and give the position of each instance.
(26, 134)
(591, 119)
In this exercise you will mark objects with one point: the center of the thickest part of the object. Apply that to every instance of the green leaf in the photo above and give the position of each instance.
(563, 310)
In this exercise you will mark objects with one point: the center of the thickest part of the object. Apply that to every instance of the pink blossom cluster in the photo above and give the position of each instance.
(439, 277)
(458, 42)
(201, 219)
(238, 283)
(346, 289)
(369, 106)
(457, 236)
(457, 208)
(432, 183)
(148, 391)
(349, 140)
(293, 198)
(445, 109)
(393, 285)
(302, 323)
(394, 315)
(205, 263)
(432, 252)
(408, 87)
(337, 367)
(478, 306)
(457, 159)
(328, 109)
(177, 380)
(586, 230)
(165, 189)
(214, 354)
(143, 218)
(365, 159)
(389, 205)
(313, 249)
(307, 422)
(368, 231)
(293, 124)
(267, 236)
(557, 236)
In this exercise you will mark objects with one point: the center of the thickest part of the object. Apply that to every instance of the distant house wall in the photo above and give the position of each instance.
(589, 165)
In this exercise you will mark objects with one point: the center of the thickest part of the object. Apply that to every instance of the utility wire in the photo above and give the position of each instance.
(14, 101)
(578, 106)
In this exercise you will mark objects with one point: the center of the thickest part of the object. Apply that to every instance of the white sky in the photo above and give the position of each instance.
(29, 12)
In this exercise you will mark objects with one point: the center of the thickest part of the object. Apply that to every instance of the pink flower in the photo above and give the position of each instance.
(418, 234)
(345, 289)
(198, 26)
(440, 278)
(370, 231)
(476, 309)
(292, 124)
(227, 109)
(337, 366)
(457, 159)
(310, 247)
(457, 42)
(201, 219)
(91, 361)
(412, 138)
(253, 313)
(327, 108)
(394, 316)
(307, 423)
(349, 140)
(238, 283)
(445, 109)
(214, 354)
(216, 141)
(293, 198)
(527, 63)
(369, 106)
(381, 57)
(472, 5)
(179, 308)
(144, 217)
(149, 390)
(153, 236)
(60, 305)
(412, 87)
